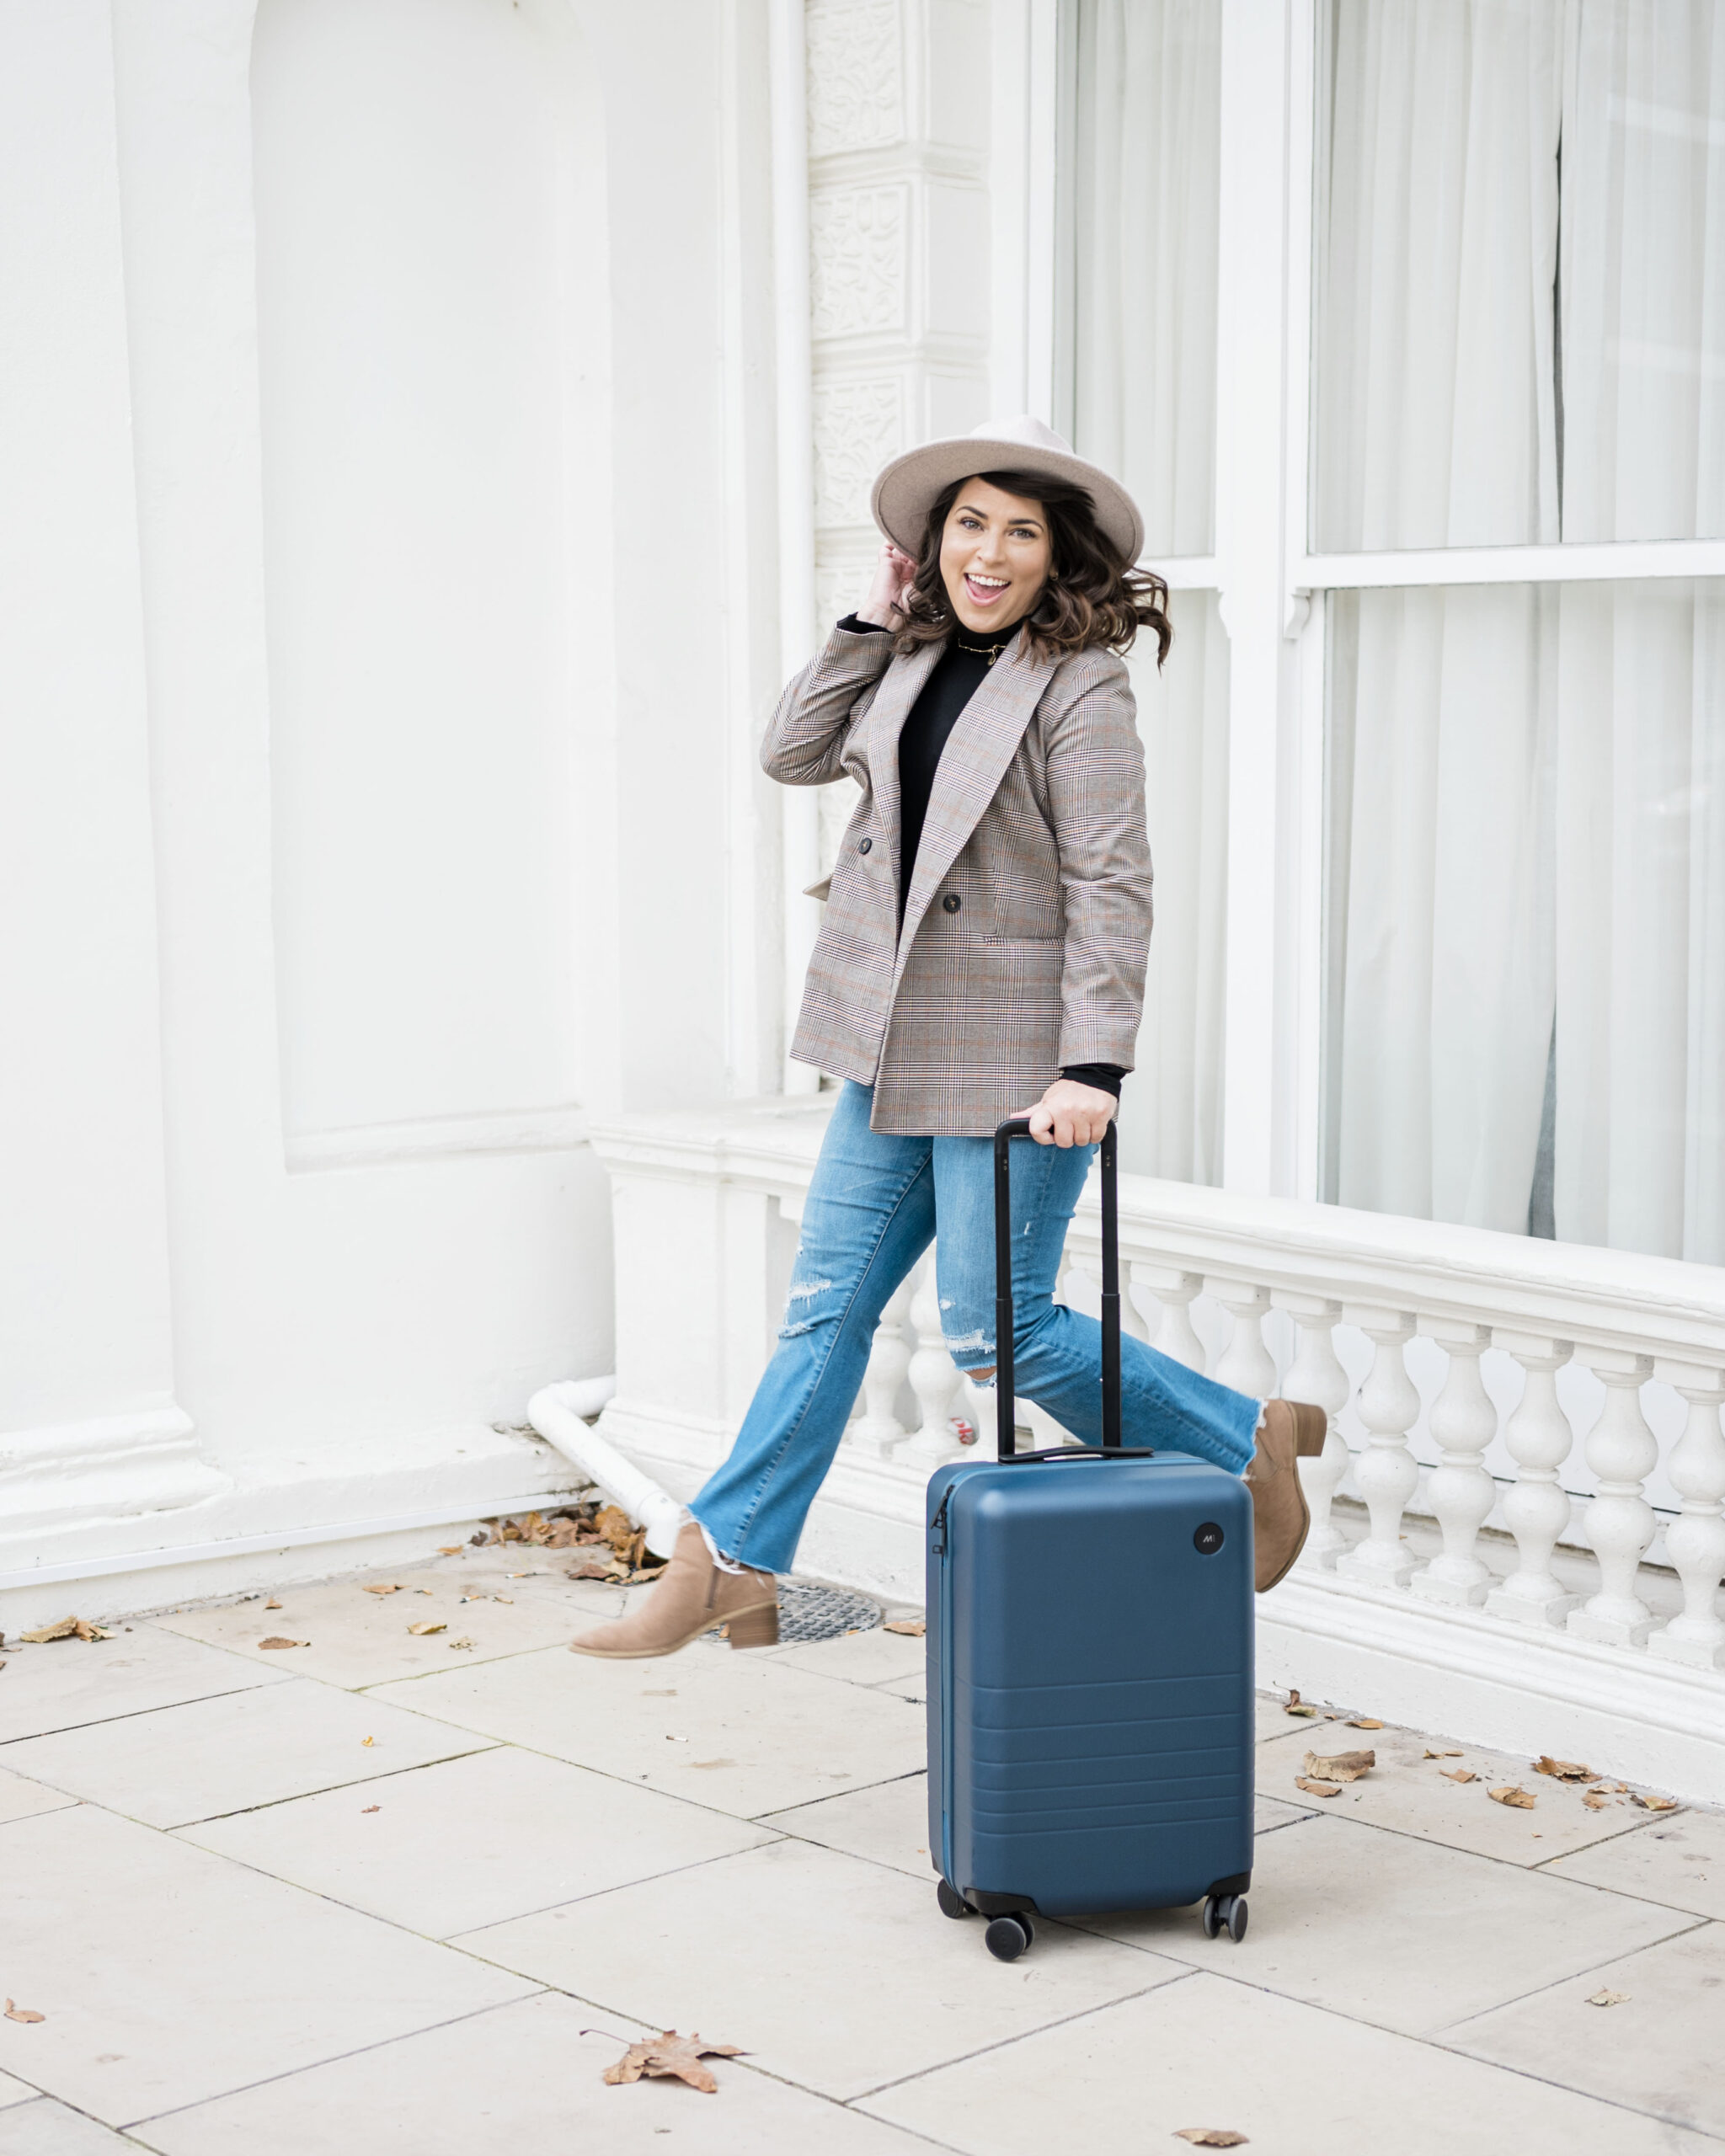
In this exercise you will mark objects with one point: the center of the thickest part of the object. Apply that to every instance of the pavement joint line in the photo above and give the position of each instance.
(1588, 1969)
(328, 1789)
(131, 1714)
(1460, 1848)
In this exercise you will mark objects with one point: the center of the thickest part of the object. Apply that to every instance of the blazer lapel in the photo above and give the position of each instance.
(898, 690)
(978, 748)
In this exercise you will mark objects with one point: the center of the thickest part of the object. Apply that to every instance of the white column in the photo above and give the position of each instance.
(1464, 1422)
(1536, 1506)
(1176, 1292)
(934, 1376)
(1697, 1541)
(1316, 1374)
(878, 1430)
(1385, 1471)
(1622, 1453)
(1245, 1363)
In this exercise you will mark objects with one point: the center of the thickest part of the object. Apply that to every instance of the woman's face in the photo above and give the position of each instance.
(995, 556)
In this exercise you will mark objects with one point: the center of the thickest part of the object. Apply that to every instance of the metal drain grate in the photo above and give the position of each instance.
(808, 1612)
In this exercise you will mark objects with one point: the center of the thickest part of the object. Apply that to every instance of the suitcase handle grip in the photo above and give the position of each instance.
(1019, 1126)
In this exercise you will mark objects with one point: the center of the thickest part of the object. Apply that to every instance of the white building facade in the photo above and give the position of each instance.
(436, 429)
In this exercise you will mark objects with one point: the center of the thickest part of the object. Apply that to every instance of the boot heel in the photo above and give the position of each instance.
(1310, 1427)
(755, 1628)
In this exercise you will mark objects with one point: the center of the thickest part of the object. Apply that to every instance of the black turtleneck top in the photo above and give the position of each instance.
(954, 679)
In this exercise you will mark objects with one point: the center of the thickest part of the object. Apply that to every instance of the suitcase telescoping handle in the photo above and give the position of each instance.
(1019, 1126)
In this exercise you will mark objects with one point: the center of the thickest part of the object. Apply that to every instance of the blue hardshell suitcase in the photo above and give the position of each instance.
(1090, 1661)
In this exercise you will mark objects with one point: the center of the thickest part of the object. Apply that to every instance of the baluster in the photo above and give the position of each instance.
(1385, 1471)
(1316, 1375)
(1536, 1506)
(878, 1429)
(1132, 1318)
(1175, 1291)
(934, 1377)
(1622, 1452)
(980, 1403)
(1696, 1541)
(1245, 1363)
(1464, 1422)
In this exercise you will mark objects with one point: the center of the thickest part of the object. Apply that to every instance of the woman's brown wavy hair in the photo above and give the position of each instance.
(1093, 596)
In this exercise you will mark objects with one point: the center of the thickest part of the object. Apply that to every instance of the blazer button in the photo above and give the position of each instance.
(865, 845)
(952, 902)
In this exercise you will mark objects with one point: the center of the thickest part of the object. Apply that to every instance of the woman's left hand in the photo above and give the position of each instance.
(1071, 1114)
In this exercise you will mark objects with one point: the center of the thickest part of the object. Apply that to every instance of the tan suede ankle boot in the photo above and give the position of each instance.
(689, 1597)
(1291, 1430)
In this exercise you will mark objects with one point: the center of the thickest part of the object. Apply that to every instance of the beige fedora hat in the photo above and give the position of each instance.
(906, 490)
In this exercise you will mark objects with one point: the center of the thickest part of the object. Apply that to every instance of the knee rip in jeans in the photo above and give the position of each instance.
(801, 1292)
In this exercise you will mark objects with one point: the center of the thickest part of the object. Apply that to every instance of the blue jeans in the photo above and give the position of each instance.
(871, 1212)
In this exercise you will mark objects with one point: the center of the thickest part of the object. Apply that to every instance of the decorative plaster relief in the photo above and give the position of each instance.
(857, 426)
(857, 266)
(855, 76)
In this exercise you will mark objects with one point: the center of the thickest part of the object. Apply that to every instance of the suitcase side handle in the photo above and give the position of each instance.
(1019, 1126)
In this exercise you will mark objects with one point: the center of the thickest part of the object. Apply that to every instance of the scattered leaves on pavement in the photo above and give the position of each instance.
(68, 1628)
(1458, 1774)
(1209, 2136)
(668, 2055)
(1430, 1754)
(1521, 1799)
(448, 1549)
(381, 1589)
(427, 1624)
(1564, 1770)
(1316, 1789)
(365, 1808)
(1655, 1803)
(1595, 1801)
(15, 2012)
(1296, 1705)
(1607, 1998)
(1341, 1766)
(462, 1643)
(1365, 1721)
(272, 1604)
(912, 1627)
(275, 1640)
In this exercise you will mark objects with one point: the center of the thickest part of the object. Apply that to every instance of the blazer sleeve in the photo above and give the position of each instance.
(1095, 767)
(805, 744)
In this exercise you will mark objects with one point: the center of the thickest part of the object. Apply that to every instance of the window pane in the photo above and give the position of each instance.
(1172, 1121)
(1525, 910)
(1141, 193)
(1519, 272)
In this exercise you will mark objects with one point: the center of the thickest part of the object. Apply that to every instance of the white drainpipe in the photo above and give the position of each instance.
(556, 1413)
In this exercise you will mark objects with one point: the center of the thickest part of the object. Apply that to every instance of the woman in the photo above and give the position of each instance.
(984, 947)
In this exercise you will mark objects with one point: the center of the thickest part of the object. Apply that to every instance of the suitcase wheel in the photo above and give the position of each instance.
(951, 1901)
(1224, 1913)
(1007, 1937)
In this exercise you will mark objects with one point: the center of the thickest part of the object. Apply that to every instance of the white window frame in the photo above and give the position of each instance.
(1271, 586)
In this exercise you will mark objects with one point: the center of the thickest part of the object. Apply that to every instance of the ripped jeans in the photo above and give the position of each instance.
(872, 1210)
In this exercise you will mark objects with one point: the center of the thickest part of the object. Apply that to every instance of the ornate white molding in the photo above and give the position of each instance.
(858, 240)
(113, 1467)
(855, 76)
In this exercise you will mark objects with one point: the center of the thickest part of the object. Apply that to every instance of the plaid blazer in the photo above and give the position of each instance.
(1027, 926)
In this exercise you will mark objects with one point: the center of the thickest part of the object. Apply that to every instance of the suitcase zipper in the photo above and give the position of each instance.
(939, 1545)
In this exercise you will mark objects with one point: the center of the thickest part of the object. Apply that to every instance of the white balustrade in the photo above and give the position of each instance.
(1175, 1293)
(1536, 1509)
(1386, 1471)
(878, 1430)
(1460, 1491)
(935, 1378)
(1316, 1375)
(1245, 1363)
(1695, 1541)
(1622, 1451)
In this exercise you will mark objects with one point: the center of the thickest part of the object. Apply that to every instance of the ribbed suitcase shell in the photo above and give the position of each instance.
(1090, 1682)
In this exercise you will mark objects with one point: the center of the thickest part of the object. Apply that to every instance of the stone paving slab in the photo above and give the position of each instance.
(45, 2128)
(522, 2079)
(1678, 1859)
(1209, 2051)
(14, 2091)
(209, 1756)
(68, 1683)
(20, 1799)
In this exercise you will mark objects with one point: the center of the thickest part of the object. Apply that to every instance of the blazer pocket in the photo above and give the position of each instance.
(823, 890)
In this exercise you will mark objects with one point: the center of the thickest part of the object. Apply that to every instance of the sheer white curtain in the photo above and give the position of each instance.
(1140, 188)
(1525, 828)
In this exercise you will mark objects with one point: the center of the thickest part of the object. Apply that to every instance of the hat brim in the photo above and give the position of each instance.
(910, 486)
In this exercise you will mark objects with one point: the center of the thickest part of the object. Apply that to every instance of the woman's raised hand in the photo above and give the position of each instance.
(884, 606)
(1071, 1114)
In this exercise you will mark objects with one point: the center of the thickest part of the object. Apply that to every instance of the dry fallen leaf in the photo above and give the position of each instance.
(1341, 1766)
(15, 2012)
(448, 1549)
(1458, 1774)
(713, 1763)
(1430, 1754)
(1316, 1789)
(426, 1590)
(427, 1624)
(272, 1605)
(462, 1643)
(370, 1807)
(1566, 1770)
(912, 1627)
(1296, 1705)
(1209, 2136)
(368, 1740)
(275, 1640)
(397, 1589)
(1594, 1800)
(1607, 1998)
(1365, 1721)
(68, 1628)
(669, 2054)
(613, 1525)
(1655, 1803)
(1522, 1800)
